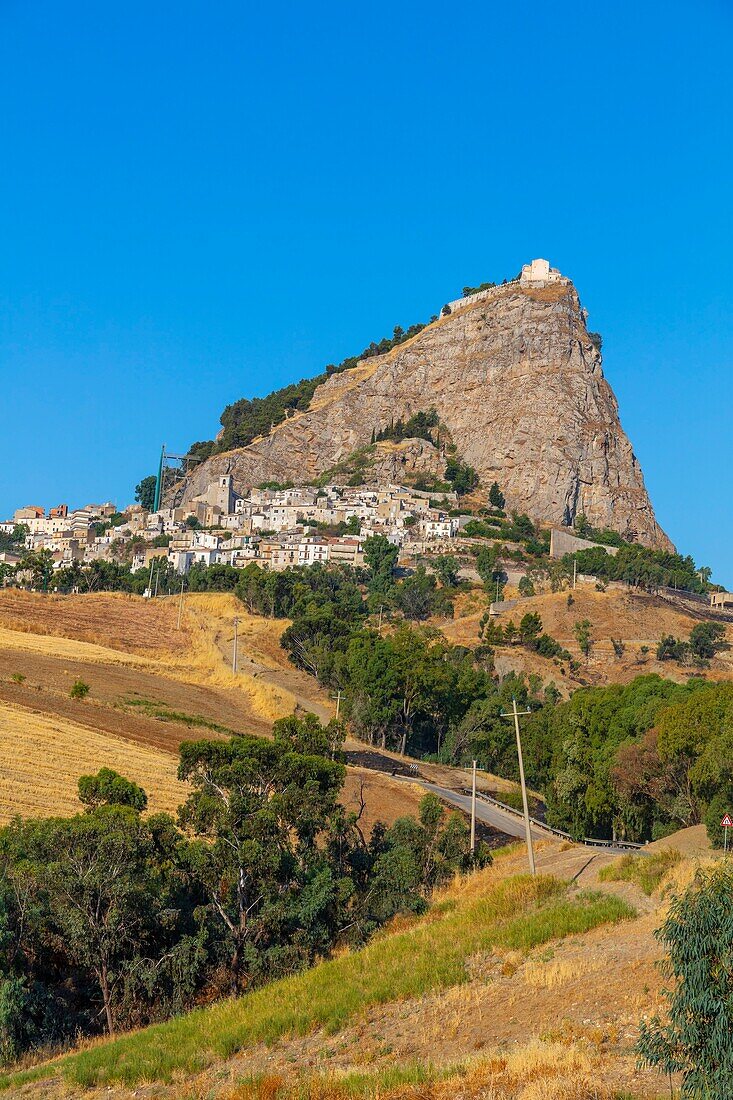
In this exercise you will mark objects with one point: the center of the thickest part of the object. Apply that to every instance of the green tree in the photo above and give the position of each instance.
(670, 648)
(526, 586)
(462, 476)
(260, 808)
(39, 564)
(109, 788)
(446, 566)
(582, 527)
(582, 633)
(530, 627)
(707, 639)
(696, 1040)
(416, 595)
(94, 877)
(15, 540)
(308, 736)
(380, 555)
(145, 492)
(496, 497)
(420, 855)
(488, 566)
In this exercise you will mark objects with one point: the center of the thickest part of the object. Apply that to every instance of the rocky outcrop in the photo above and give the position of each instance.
(518, 383)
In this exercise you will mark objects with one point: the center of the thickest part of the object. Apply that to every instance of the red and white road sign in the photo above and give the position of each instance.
(727, 822)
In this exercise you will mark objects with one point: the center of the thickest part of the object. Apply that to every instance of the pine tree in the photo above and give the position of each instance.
(496, 497)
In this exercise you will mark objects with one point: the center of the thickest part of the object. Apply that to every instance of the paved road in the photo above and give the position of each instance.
(490, 815)
(505, 822)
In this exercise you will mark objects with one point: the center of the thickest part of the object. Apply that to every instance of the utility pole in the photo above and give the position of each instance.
(150, 578)
(527, 827)
(234, 650)
(180, 604)
(473, 809)
(338, 704)
(575, 572)
(157, 578)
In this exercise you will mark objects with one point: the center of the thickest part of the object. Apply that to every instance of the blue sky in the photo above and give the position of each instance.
(202, 201)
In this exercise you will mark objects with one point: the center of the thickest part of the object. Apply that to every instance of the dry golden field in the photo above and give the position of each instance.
(44, 756)
(111, 619)
(48, 739)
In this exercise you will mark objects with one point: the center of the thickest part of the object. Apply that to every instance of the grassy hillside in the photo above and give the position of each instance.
(492, 915)
(507, 989)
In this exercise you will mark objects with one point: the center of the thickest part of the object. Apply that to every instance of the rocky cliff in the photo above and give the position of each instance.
(515, 379)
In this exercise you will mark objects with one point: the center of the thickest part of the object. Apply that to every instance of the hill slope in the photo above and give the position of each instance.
(510, 987)
(634, 618)
(516, 380)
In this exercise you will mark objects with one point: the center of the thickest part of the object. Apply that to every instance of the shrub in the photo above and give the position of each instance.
(79, 690)
(646, 871)
(581, 630)
(109, 788)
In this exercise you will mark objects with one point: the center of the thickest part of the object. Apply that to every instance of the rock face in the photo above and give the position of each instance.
(516, 380)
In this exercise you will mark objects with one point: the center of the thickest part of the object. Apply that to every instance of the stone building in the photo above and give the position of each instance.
(539, 273)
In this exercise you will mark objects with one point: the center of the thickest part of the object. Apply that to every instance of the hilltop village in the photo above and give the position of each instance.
(276, 527)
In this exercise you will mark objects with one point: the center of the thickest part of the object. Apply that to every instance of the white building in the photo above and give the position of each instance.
(539, 273)
(313, 549)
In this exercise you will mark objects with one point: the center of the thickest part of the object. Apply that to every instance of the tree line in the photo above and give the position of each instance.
(113, 918)
(638, 760)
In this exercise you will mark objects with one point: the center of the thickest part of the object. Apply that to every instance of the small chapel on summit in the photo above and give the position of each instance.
(539, 273)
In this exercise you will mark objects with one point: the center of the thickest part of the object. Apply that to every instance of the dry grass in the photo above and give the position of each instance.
(385, 799)
(210, 626)
(555, 973)
(538, 1071)
(514, 914)
(110, 619)
(645, 871)
(71, 649)
(638, 618)
(260, 637)
(44, 757)
(75, 628)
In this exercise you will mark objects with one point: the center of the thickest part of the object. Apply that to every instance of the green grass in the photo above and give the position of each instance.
(163, 713)
(519, 913)
(646, 872)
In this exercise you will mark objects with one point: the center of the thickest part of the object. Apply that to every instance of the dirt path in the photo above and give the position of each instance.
(309, 695)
